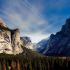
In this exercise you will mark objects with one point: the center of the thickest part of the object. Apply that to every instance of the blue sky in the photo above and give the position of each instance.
(35, 18)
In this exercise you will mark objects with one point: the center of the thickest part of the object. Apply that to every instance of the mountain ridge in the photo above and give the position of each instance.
(59, 44)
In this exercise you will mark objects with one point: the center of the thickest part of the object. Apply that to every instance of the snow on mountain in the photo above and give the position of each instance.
(41, 46)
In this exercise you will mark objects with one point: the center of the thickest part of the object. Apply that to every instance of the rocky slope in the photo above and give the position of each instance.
(59, 44)
(26, 41)
(41, 46)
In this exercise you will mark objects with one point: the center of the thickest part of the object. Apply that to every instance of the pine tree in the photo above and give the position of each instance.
(7, 65)
(30, 65)
(0, 66)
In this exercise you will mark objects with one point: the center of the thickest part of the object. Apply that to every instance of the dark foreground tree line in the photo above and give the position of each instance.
(10, 62)
(30, 60)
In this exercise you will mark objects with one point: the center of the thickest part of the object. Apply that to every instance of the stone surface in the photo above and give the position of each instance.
(16, 42)
(9, 40)
(27, 42)
(59, 44)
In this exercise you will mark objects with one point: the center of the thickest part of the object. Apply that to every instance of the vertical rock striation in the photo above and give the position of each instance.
(16, 42)
(9, 40)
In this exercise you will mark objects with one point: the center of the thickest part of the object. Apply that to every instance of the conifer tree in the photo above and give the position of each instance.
(7, 65)
(30, 65)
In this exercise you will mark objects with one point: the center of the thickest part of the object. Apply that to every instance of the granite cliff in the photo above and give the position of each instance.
(26, 41)
(10, 42)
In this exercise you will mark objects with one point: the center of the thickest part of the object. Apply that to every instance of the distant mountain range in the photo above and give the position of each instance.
(26, 41)
(41, 46)
(56, 45)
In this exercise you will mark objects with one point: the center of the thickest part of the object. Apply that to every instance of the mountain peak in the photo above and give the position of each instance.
(59, 44)
(68, 23)
(66, 28)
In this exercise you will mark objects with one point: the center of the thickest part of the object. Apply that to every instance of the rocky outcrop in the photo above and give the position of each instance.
(9, 40)
(27, 42)
(16, 42)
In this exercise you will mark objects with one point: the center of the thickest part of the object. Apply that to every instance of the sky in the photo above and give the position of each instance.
(36, 19)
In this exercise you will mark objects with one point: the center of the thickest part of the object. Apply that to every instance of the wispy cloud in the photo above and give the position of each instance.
(21, 14)
(29, 16)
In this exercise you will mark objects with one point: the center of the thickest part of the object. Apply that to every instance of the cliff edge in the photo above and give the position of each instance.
(10, 42)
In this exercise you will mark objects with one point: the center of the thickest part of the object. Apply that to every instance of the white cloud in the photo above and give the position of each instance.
(36, 37)
(21, 14)
(28, 16)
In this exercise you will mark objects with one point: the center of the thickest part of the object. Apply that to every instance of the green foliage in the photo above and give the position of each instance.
(7, 65)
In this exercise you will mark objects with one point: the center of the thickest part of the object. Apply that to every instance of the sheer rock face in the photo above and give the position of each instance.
(59, 44)
(5, 41)
(16, 42)
(9, 40)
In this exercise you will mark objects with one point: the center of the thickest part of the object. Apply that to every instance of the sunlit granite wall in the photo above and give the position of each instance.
(9, 40)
